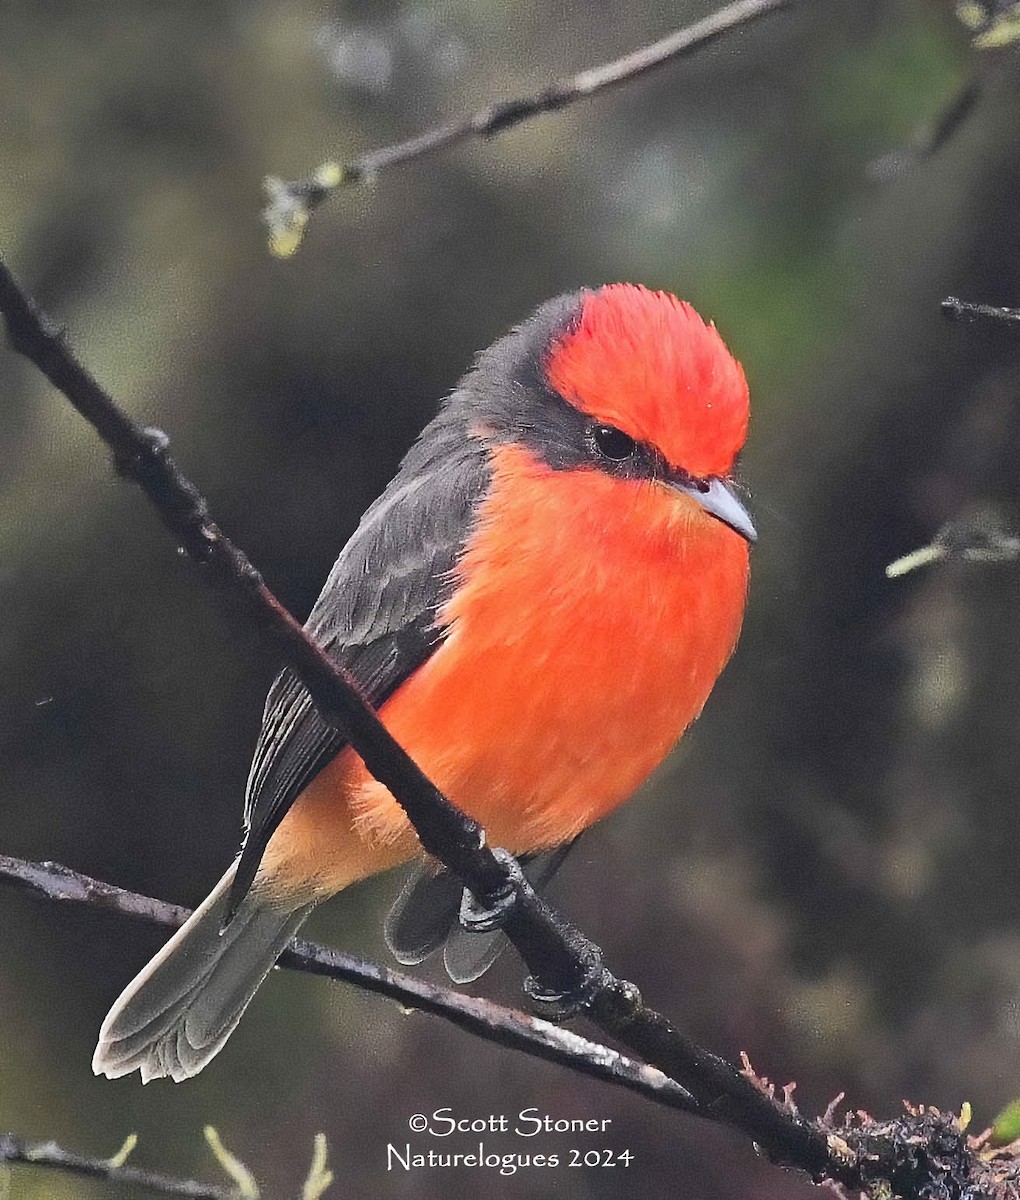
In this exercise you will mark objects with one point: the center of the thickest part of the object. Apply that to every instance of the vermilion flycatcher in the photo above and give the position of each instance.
(538, 605)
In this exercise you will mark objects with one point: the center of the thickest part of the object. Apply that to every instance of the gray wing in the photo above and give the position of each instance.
(376, 617)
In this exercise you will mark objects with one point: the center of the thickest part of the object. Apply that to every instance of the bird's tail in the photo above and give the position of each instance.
(176, 1014)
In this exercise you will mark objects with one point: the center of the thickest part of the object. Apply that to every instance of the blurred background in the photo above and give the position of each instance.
(826, 875)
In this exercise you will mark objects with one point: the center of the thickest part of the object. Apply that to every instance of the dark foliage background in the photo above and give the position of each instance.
(826, 874)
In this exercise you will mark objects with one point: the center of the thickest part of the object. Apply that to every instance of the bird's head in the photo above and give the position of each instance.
(622, 380)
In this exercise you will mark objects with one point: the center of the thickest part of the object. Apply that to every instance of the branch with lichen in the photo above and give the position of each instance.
(954, 309)
(292, 201)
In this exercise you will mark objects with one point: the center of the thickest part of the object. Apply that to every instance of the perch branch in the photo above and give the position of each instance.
(507, 1027)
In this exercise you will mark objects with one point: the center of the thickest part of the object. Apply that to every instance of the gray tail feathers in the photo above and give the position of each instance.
(176, 1014)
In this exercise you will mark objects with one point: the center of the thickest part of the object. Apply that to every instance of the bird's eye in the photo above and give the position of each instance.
(612, 443)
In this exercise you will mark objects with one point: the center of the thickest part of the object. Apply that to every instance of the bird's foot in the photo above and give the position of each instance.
(477, 916)
(559, 1006)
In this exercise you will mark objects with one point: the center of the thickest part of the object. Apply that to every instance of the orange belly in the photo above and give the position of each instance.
(591, 618)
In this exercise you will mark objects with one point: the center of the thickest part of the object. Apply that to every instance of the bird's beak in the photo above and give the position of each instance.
(717, 498)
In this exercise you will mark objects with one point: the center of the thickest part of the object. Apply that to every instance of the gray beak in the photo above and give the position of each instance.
(719, 499)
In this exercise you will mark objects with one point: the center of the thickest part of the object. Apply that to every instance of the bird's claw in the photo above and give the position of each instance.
(477, 916)
(561, 1006)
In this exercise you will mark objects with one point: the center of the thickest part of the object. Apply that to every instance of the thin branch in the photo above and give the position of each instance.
(567, 967)
(954, 309)
(930, 138)
(493, 1022)
(291, 202)
(48, 1154)
(979, 537)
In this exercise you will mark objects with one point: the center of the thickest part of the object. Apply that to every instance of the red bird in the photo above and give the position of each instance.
(538, 604)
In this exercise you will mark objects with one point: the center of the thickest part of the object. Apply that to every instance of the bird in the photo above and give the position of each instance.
(538, 605)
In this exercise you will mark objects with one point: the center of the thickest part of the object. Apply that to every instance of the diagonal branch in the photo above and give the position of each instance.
(291, 201)
(493, 1022)
(929, 139)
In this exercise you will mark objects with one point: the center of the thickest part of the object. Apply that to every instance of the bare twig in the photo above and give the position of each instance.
(493, 1022)
(979, 537)
(48, 1154)
(954, 309)
(291, 202)
(930, 138)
